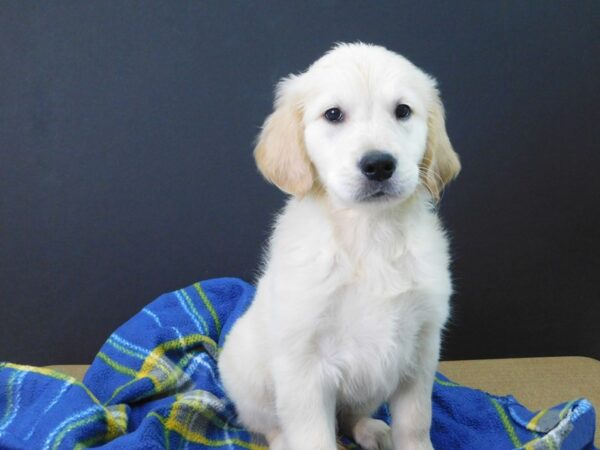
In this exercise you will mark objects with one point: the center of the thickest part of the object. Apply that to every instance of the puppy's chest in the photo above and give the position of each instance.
(369, 343)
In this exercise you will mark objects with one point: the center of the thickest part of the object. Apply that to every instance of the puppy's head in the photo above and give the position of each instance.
(363, 125)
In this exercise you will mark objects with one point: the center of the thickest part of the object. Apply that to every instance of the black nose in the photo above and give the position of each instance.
(377, 166)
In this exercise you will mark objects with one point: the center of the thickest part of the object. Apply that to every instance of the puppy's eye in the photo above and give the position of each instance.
(334, 115)
(402, 112)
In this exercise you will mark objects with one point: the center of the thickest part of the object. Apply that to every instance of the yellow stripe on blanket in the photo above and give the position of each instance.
(53, 374)
(209, 306)
(532, 425)
(173, 425)
(181, 343)
(506, 423)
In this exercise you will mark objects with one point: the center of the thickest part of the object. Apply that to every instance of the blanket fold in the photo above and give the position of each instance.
(154, 384)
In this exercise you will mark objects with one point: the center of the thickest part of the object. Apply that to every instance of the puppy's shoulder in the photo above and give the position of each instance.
(301, 234)
(302, 219)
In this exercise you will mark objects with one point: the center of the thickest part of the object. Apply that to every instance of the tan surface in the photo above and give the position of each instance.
(536, 382)
(75, 370)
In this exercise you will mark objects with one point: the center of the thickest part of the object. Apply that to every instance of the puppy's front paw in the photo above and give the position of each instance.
(416, 445)
(372, 434)
(276, 441)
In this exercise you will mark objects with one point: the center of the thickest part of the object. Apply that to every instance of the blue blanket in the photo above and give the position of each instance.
(154, 384)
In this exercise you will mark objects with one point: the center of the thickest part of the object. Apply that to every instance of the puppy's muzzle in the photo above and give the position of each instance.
(377, 166)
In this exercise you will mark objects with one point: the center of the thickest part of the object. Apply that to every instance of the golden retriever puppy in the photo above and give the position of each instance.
(355, 288)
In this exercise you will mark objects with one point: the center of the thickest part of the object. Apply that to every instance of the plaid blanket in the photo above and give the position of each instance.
(154, 385)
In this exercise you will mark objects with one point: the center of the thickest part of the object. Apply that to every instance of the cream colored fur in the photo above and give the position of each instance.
(355, 290)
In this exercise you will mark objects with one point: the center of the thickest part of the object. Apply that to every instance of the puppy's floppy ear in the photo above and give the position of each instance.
(280, 153)
(440, 163)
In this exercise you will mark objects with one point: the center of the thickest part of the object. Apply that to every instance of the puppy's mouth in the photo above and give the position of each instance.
(377, 194)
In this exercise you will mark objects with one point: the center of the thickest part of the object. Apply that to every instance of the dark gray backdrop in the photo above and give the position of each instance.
(126, 132)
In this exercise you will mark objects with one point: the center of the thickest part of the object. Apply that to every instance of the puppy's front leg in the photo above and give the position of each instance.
(305, 405)
(411, 402)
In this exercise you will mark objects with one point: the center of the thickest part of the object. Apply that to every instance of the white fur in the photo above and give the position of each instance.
(354, 294)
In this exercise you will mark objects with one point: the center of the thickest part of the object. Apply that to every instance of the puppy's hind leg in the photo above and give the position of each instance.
(370, 434)
(245, 377)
